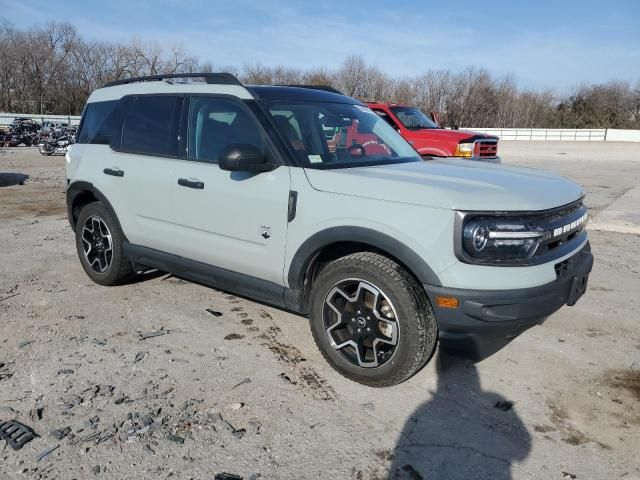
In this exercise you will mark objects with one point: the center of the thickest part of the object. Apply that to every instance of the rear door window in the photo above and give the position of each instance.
(151, 127)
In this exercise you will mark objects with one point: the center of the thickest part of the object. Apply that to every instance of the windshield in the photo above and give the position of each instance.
(412, 118)
(338, 135)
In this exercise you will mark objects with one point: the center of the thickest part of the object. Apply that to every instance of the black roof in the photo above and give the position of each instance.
(273, 92)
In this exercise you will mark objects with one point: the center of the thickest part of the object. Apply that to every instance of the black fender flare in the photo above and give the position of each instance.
(78, 188)
(373, 238)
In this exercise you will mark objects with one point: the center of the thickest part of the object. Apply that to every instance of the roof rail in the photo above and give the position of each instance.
(326, 88)
(212, 78)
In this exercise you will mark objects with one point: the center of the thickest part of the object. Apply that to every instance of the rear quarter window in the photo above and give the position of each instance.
(151, 126)
(96, 126)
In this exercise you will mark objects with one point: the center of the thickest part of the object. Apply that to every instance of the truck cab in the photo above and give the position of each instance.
(431, 140)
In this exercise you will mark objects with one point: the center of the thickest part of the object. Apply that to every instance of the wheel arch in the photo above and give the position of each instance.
(82, 193)
(335, 242)
(435, 152)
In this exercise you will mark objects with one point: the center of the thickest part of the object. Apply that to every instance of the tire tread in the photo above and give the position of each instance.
(423, 326)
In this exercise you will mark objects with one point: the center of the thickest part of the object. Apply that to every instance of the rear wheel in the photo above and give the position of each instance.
(372, 320)
(99, 244)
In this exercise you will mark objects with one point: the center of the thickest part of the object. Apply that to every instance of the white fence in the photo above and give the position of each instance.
(7, 118)
(544, 134)
(619, 135)
(563, 134)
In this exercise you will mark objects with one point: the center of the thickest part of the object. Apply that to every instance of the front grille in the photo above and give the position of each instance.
(561, 226)
(487, 148)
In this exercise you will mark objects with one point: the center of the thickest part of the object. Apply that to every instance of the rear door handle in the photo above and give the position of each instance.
(185, 182)
(116, 172)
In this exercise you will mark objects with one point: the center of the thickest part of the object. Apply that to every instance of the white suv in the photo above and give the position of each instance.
(255, 190)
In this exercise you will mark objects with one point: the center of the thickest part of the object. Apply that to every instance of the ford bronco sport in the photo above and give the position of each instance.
(246, 189)
(432, 141)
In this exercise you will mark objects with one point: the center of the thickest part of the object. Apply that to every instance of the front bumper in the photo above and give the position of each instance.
(486, 320)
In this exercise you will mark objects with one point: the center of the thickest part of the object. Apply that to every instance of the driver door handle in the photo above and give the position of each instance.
(185, 182)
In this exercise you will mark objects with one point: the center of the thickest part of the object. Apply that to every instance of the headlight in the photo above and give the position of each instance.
(500, 240)
(464, 150)
(519, 238)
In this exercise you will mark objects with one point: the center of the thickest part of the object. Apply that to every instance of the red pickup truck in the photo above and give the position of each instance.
(430, 140)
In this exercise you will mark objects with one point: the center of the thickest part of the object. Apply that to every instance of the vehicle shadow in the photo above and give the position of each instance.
(461, 433)
(9, 179)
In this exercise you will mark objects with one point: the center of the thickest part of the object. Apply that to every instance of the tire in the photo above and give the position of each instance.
(105, 263)
(405, 302)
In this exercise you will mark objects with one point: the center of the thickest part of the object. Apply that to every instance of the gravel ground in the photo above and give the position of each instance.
(164, 378)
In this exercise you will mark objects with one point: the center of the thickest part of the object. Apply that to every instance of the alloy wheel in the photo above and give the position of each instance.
(361, 323)
(97, 244)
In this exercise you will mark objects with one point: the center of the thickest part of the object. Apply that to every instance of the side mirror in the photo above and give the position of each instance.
(243, 157)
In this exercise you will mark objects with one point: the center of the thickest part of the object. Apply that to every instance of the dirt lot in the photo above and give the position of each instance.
(164, 378)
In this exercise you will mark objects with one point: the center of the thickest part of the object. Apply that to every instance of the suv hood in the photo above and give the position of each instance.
(451, 184)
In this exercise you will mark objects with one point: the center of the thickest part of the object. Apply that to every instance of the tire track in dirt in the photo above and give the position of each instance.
(300, 374)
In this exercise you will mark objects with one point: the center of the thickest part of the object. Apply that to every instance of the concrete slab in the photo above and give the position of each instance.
(622, 216)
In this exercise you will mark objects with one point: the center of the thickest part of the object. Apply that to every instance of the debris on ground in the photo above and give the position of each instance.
(7, 410)
(8, 297)
(242, 382)
(568, 475)
(36, 413)
(227, 476)
(139, 357)
(214, 312)
(60, 433)
(47, 452)
(236, 406)
(234, 336)
(153, 333)
(16, 434)
(175, 438)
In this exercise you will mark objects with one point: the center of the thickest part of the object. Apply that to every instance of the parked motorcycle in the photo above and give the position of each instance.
(52, 130)
(22, 131)
(58, 145)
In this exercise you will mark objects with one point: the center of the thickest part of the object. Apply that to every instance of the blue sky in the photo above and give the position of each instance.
(545, 44)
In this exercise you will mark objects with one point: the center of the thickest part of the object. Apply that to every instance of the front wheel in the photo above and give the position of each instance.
(372, 320)
(45, 149)
(99, 243)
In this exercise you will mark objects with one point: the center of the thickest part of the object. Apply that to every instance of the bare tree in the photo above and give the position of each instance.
(51, 69)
